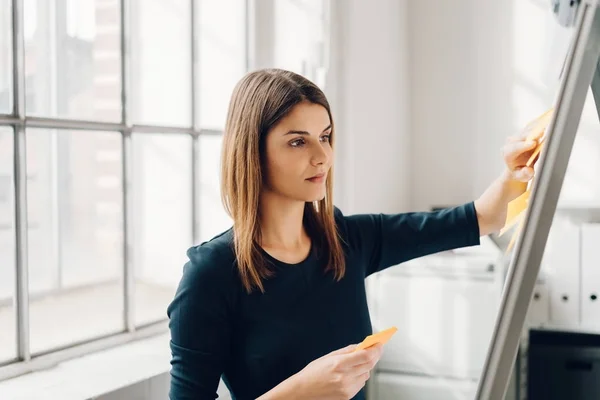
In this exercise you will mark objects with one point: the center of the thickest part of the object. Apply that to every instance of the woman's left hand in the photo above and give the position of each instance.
(516, 152)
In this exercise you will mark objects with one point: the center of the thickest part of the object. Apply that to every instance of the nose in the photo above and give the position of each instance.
(319, 155)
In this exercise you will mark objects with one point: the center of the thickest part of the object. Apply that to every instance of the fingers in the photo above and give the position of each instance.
(344, 350)
(357, 384)
(523, 174)
(363, 378)
(514, 149)
(364, 360)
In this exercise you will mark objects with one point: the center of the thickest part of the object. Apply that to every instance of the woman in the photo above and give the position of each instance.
(276, 304)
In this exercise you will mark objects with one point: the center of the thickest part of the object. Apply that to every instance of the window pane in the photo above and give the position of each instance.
(6, 57)
(162, 220)
(222, 57)
(213, 218)
(162, 62)
(41, 205)
(73, 59)
(8, 349)
(75, 205)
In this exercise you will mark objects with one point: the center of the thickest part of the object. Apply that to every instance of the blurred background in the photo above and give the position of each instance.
(111, 118)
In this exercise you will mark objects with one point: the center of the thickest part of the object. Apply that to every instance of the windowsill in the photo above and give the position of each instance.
(94, 374)
(60, 318)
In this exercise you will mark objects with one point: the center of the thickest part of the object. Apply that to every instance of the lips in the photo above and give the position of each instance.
(317, 178)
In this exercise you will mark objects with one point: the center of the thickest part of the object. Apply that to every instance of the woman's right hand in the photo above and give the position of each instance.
(339, 375)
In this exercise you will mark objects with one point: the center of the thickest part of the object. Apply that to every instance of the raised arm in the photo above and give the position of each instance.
(384, 240)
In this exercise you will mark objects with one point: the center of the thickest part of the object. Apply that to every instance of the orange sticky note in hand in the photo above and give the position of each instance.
(380, 337)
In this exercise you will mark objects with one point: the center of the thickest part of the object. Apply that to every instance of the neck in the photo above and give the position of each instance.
(281, 222)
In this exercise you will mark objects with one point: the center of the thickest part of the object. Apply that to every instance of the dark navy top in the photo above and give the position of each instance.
(255, 341)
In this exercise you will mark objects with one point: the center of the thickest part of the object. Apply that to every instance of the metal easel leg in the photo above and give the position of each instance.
(577, 77)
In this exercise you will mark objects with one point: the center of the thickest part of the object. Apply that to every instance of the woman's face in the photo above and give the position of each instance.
(299, 155)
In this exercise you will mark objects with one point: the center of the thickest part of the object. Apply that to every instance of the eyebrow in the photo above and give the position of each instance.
(305, 132)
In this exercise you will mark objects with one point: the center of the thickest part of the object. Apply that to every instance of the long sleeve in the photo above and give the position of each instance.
(384, 240)
(200, 328)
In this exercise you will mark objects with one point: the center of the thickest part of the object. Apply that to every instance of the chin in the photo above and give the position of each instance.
(315, 197)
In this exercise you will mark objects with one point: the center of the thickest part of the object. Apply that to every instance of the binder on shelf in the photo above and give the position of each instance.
(539, 308)
(563, 266)
(590, 276)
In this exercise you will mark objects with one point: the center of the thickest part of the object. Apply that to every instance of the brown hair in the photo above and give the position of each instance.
(259, 101)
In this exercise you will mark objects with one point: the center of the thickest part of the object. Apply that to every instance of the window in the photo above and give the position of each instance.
(162, 62)
(112, 203)
(222, 54)
(6, 75)
(7, 248)
(162, 186)
(75, 236)
(72, 59)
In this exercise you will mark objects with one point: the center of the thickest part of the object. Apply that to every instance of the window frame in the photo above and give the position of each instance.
(19, 122)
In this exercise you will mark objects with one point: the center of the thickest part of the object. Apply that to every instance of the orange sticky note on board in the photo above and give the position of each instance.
(511, 224)
(537, 151)
(515, 235)
(380, 337)
(536, 128)
(515, 208)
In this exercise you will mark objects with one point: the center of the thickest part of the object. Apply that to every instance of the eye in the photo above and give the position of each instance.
(297, 142)
(326, 138)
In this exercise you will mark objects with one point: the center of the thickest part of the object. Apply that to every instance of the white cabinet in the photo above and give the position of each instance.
(444, 317)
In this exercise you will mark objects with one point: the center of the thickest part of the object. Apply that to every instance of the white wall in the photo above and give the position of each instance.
(370, 99)
(460, 98)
